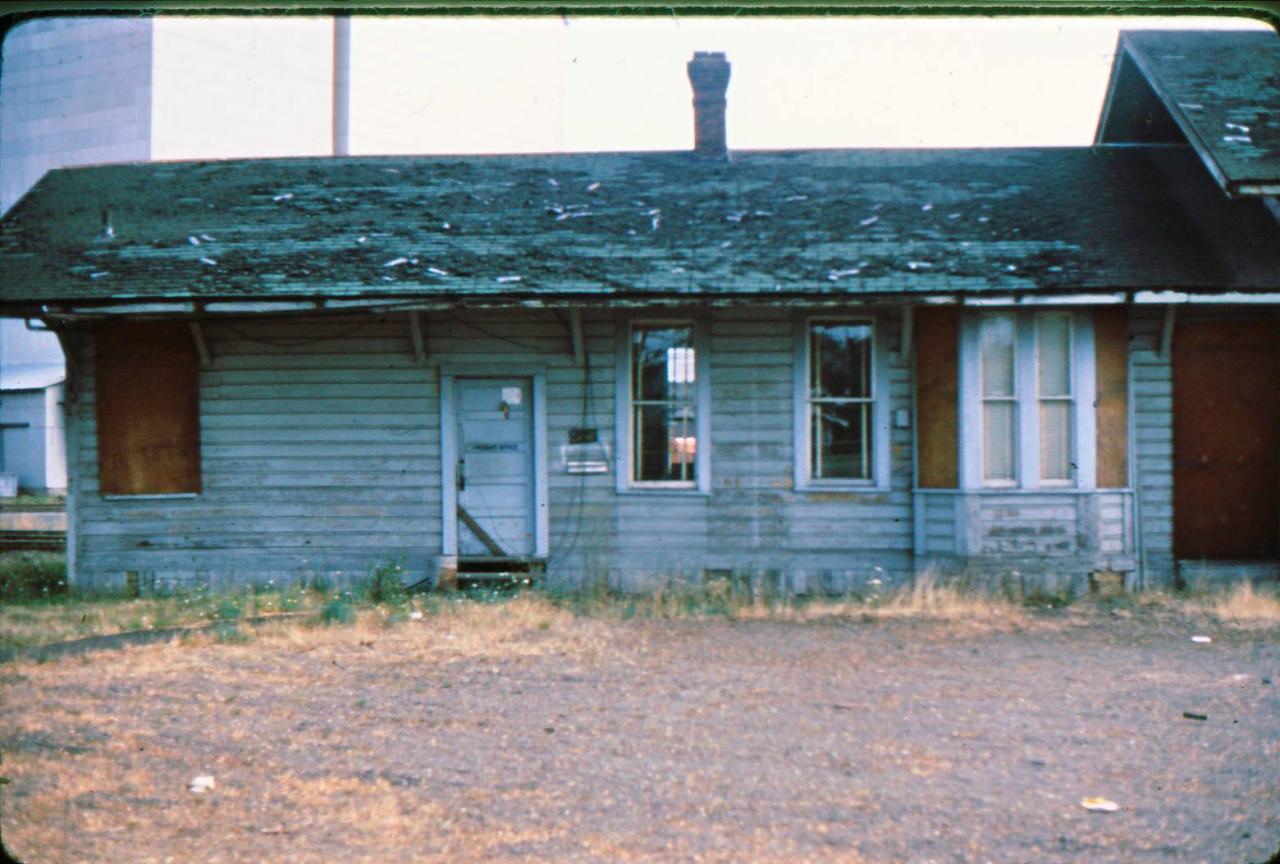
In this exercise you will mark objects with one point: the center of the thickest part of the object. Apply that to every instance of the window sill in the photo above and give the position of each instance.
(158, 496)
(1020, 490)
(870, 488)
(666, 491)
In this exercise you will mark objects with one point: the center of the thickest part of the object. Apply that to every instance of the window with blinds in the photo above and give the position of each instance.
(1053, 379)
(999, 400)
(1028, 408)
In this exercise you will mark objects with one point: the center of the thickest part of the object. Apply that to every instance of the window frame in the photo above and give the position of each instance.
(1014, 399)
(802, 431)
(1027, 429)
(625, 409)
(1070, 399)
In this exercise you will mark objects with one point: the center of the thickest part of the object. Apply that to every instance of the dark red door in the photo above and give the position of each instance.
(1226, 437)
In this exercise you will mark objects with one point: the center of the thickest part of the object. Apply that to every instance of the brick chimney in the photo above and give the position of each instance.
(709, 75)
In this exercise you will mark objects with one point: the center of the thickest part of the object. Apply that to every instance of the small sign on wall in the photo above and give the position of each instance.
(585, 453)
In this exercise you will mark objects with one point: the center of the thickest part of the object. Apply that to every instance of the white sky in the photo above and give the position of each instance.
(260, 87)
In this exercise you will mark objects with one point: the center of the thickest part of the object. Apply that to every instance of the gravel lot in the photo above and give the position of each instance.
(524, 733)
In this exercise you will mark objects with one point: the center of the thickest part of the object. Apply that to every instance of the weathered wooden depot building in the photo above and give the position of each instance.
(830, 366)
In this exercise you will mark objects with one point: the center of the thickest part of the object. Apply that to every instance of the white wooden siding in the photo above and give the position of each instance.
(1151, 379)
(321, 456)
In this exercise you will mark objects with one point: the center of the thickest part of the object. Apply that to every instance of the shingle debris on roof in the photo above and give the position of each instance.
(1223, 90)
(818, 223)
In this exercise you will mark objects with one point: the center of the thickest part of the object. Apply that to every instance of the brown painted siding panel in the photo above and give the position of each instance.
(148, 409)
(937, 398)
(1111, 347)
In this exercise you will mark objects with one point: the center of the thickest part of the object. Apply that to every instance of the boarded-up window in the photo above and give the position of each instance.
(1111, 340)
(936, 396)
(147, 382)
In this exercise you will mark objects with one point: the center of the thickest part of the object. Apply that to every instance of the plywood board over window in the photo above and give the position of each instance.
(148, 408)
(1111, 345)
(937, 396)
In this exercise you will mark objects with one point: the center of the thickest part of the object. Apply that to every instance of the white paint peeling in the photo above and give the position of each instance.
(396, 262)
(193, 240)
(212, 262)
(870, 220)
(508, 279)
(284, 196)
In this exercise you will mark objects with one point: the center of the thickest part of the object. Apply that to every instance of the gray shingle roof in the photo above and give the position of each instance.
(640, 225)
(1222, 88)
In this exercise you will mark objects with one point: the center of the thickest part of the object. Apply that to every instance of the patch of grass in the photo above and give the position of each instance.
(386, 584)
(229, 608)
(32, 576)
(338, 610)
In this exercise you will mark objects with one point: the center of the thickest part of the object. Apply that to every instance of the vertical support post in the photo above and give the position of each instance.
(575, 331)
(908, 327)
(202, 348)
(419, 338)
(1166, 331)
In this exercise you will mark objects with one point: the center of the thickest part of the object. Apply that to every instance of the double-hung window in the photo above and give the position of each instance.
(999, 401)
(1028, 401)
(839, 400)
(665, 417)
(1053, 390)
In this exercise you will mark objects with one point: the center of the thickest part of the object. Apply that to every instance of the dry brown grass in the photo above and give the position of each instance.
(926, 599)
(36, 623)
(1246, 606)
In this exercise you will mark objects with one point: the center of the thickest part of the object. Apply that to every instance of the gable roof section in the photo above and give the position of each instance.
(639, 226)
(1220, 88)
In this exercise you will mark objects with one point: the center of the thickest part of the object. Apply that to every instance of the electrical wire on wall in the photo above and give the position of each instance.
(577, 504)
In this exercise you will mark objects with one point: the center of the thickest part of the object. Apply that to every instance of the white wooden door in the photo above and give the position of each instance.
(495, 467)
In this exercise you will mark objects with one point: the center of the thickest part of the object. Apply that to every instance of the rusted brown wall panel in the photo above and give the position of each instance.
(1111, 347)
(937, 379)
(1226, 440)
(148, 409)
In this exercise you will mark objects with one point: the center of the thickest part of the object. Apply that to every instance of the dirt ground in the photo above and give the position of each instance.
(520, 732)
